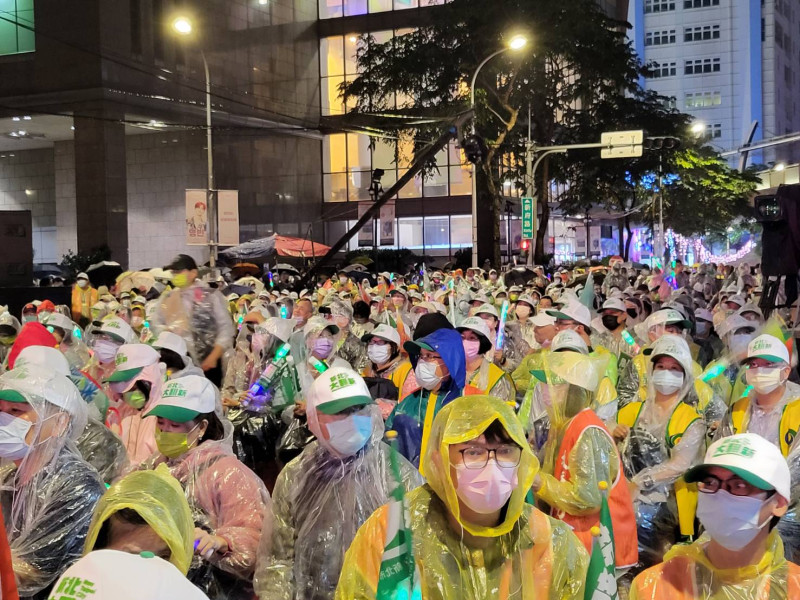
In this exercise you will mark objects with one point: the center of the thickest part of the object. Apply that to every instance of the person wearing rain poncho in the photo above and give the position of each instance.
(580, 454)
(138, 380)
(63, 328)
(324, 495)
(317, 351)
(229, 502)
(174, 355)
(145, 511)
(105, 339)
(388, 369)
(771, 409)
(744, 489)
(473, 536)
(663, 436)
(483, 377)
(440, 371)
(347, 346)
(9, 329)
(49, 491)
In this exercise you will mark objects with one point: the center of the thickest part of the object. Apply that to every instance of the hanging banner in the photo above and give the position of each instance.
(196, 218)
(387, 224)
(366, 233)
(228, 211)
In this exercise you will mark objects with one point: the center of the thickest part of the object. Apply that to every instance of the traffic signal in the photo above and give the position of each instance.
(475, 149)
(662, 143)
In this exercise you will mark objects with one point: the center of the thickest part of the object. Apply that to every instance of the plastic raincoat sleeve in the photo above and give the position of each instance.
(593, 459)
(684, 455)
(103, 449)
(236, 375)
(628, 385)
(504, 389)
(55, 518)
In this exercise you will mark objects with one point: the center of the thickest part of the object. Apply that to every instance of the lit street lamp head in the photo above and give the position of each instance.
(518, 42)
(182, 25)
(698, 128)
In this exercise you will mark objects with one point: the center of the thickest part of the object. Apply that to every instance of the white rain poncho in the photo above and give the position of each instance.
(320, 502)
(47, 500)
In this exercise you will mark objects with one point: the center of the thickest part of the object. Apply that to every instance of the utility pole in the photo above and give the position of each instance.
(529, 189)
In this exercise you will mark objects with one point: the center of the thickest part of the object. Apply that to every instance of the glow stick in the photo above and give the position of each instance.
(501, 333)
(631, 342)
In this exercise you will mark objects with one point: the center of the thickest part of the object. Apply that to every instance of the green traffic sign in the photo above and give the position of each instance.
(527, 218)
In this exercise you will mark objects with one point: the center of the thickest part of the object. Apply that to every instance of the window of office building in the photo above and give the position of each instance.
(659, 38)
(656, 6)
(666, 69)
(699, 3)
(701, 33)
(703, 99)
(714, 130)
(16, 27)
(437, 235)
(701, 65)
(331, 9)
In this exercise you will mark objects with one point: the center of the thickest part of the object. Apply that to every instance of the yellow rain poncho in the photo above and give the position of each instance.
(687, 574)
(527, 555)
(159, 499)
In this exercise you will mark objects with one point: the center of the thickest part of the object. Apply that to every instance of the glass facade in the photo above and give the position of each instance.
(332, 9)
(16, 27)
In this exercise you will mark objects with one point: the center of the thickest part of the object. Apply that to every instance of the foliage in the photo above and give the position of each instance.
(74, 263)
(579, 69)
(463, 258)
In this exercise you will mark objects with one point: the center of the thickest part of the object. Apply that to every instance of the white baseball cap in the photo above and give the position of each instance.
(733, 323)
(573, 311)
(61, 321)
(737, 300)
(487, 309)
(318, 324)
(615, 303)
(667, 316)
(769, 348)
(703, 313)
(751, 457)
(479, 326)
(168, 340)
(569, 340)
(542, 319)
(44, 356)
(280, 328)
(184, 399)
(383, 332)
(337, 389)
(131, 359)
(117, 329)
(116, 575)
(82, 276)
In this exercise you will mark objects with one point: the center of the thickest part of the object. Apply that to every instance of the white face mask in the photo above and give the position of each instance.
(349, 435)
(82, 283)
(379, 354)
(425, 374)
(105, 350)
(739, 343)
(485, 490)
(703, 328)
(667, 382)
(731, 521)
(764, 379)
(342, 280)
(13, 432)
(136, 321)
(523, 312)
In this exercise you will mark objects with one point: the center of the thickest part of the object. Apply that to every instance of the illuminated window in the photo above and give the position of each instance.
(331, 9)
(16, 27)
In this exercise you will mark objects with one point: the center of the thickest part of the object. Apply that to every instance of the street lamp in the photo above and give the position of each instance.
(516, 43)
(698, 128)
(183, 26)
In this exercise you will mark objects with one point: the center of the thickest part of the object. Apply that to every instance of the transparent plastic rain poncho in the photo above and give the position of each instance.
(655, 462)
(320, 501)
(48, 500)
(347, 345)
(158, 498)
(228, 500)
(103, 449)
(199, 315)
(529, 555)
(687, 573)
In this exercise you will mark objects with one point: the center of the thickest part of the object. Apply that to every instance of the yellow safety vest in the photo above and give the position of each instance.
(679, 421)
(788, 427)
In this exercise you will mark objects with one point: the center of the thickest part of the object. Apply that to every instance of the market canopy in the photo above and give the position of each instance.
(282, 245)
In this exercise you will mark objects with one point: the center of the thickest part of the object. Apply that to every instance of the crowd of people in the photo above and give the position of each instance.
(459, 434)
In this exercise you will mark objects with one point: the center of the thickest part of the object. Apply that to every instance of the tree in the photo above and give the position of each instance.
(580, 61)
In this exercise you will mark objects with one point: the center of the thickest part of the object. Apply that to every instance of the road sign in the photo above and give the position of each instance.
(621, 144)
(527, 218)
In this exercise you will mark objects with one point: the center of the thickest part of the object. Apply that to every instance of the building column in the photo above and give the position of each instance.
(101, 183)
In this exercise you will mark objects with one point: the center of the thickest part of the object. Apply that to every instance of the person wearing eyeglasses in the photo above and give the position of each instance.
(744, 484)
(472, 533)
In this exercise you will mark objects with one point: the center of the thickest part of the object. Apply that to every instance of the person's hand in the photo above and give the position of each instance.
(209, 363)
(300, 409)
(206, 544)
(231, 402)
(498, 357)
(537, 484)
(620, 432)
(633, 489)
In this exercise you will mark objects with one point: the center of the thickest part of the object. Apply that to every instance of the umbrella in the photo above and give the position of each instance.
(299, 248)
(104, 273)
(355, 267)
(252, 283)
(41, 270)
(518, 276)
(263, 248)
(285, 267)
(137, 280)
(362, 260)
(244, 269)
(239, 290)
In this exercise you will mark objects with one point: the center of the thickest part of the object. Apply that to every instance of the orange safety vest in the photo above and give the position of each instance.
(620, 503)
(81, 299)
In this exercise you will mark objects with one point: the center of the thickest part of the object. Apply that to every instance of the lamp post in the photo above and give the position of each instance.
(183, 26)
(515, 43)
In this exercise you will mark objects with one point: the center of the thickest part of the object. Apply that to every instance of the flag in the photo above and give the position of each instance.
(398, 578)
(601, 582)
(587, 293)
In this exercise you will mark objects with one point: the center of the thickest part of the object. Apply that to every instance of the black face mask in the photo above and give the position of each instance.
(610, 322)
(631, 313)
